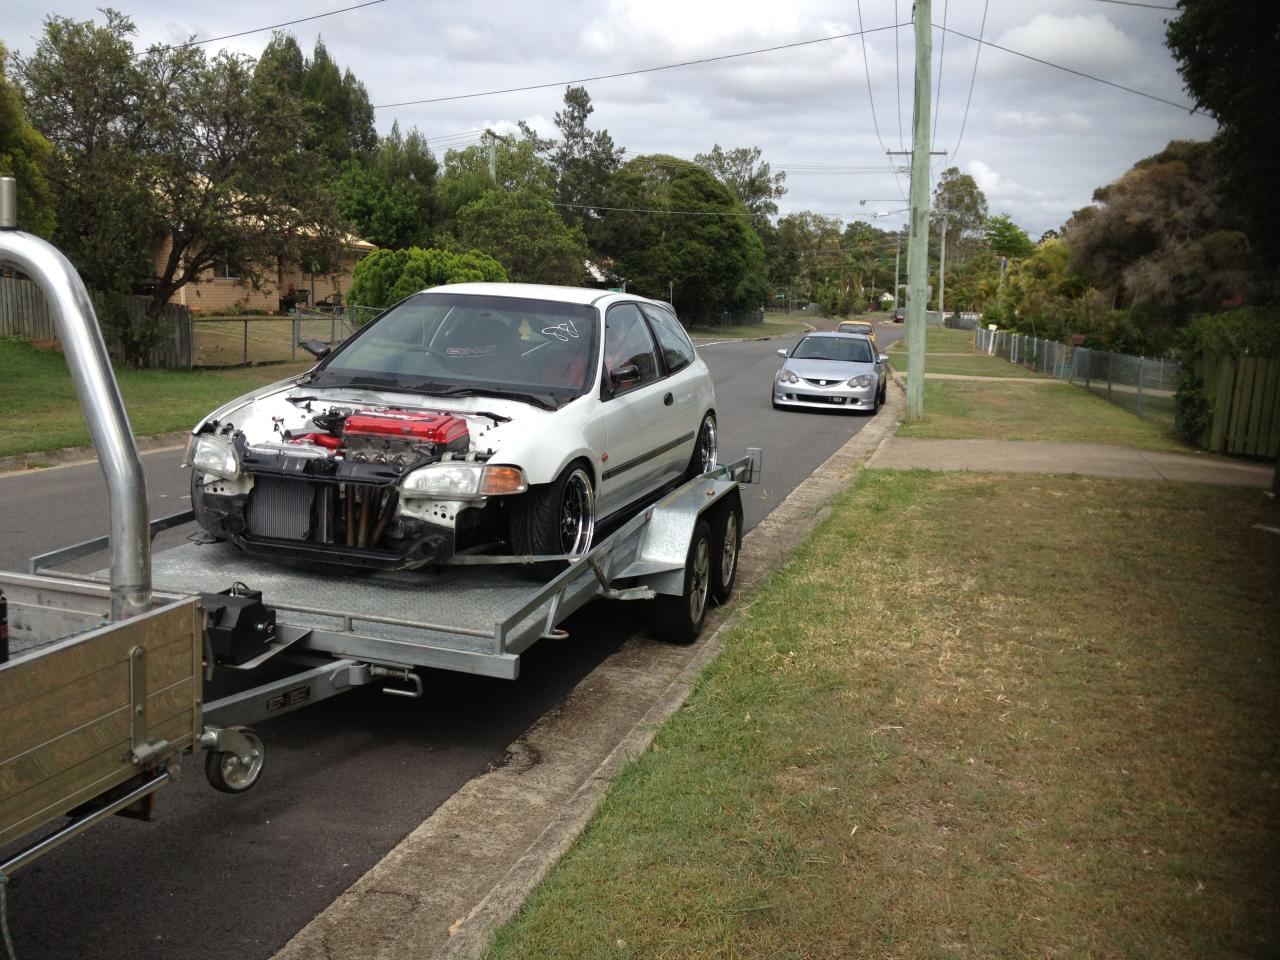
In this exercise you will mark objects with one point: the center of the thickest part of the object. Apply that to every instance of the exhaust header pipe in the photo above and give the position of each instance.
(99, 394)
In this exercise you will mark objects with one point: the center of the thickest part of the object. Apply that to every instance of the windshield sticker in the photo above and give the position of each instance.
(563, 332)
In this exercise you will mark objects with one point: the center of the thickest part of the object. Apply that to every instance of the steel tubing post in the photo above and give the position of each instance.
(99, 394)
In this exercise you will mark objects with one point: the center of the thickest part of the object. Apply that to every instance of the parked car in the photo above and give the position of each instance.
(826, 370)
(859, 326)
(899, 316)
(509, 418)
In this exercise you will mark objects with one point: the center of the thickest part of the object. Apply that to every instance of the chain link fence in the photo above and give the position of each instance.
(1144, 386)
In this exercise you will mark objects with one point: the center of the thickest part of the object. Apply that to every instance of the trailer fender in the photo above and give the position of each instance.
(659, 563)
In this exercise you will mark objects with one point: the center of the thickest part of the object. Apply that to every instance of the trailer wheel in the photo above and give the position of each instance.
(726, 546)
(680, 619)
(229, 773)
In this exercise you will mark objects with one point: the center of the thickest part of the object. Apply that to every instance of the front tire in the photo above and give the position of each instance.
(705, 449)
(555, 518)
(680, 619)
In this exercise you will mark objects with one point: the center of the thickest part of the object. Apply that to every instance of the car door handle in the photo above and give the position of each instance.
(667, 399)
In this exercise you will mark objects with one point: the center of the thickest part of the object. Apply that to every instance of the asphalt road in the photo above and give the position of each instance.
(216, 876)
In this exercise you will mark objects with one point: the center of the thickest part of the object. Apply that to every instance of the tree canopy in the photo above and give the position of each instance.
(523, 232)
(385, 277)
(1227, 51)
(707, 256)
(24, 155)
(747, 176)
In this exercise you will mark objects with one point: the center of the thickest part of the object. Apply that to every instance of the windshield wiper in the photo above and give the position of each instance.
(543, 400)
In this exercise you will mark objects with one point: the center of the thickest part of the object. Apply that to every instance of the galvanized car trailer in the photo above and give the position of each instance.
(104, 691)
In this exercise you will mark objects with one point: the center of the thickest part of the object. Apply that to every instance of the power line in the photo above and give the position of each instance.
(866, 67)
(1078, 73)
(942, 52)
(632, 73)
(1132, 3)
(968, 100)
(274, 26)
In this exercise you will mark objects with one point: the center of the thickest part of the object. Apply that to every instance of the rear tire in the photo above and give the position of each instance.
(726, 548)
(680, 619)
(555, 518)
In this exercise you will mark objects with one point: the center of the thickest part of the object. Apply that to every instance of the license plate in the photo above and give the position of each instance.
(837, 399)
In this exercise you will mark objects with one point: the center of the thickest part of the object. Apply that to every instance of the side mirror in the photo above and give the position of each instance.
(316, 348)
(625, 376)
(884, 358)
(782, 353)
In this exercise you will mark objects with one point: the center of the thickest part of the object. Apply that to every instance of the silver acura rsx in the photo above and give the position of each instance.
(477, 417)
(840, 371)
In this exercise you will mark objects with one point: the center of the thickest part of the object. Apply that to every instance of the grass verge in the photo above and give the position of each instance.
(1057, 412)
(975, 366)
(748, 331)
(41, 411)
(939, 339)
(975, 716)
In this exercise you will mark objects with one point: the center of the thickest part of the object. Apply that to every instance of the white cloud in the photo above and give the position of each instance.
(988, 181)
(1081, 41)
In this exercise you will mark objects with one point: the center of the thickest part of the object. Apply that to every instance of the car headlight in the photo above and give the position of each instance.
(860, 381)
(787, 376)
(459, 481)
(215, 456)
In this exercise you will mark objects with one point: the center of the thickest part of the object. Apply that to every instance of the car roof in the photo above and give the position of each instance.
(849, 323)
(541, 291)
(840, 334)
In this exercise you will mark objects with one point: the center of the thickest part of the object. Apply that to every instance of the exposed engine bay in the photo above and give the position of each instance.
(380, 487)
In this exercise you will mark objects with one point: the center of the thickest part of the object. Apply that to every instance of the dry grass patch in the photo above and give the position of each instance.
(977, 716)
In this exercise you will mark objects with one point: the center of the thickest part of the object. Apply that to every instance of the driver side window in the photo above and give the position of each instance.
(627, 343)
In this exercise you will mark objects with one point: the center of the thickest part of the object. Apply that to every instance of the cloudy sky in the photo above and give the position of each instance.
(1037, 140)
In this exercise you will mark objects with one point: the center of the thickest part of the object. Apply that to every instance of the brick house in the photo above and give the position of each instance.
(218, 291)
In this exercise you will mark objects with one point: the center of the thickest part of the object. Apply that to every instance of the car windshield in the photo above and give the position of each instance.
(843, 349)
(457, 343)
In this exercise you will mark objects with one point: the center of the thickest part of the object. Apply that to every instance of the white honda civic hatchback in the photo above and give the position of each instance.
(476, 418)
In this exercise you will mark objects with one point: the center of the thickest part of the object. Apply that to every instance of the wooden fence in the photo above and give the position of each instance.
(25, 314)
(1245, 393)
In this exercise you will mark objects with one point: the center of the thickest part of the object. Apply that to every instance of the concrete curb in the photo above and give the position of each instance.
(799, 513)
(73, 456)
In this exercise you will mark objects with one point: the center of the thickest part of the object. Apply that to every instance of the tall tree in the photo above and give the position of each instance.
(1227, 51)
(958, 198)
(465, 178)
(24, 155)
(747, 177)
(584, 159)
(1007, 238)
(388, 198)
(169, 145)
(338, 108)
(523, 232)
(709, 263)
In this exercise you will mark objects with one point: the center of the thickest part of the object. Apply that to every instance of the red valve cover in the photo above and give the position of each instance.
(443, 429)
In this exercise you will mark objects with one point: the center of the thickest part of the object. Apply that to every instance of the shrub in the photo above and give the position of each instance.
(387, 276)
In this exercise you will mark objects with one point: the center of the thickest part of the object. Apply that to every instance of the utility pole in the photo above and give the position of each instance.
(897, 270)
(918, 238)
(942, 275)
(493, 156)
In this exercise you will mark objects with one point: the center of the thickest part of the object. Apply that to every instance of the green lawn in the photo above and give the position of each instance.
(939, 339)
(748, 331)
(1056, 412)
(974, 366)
(976, 716)
(41, 411)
